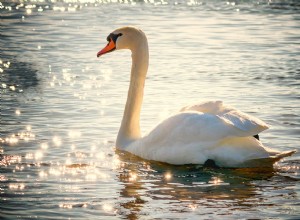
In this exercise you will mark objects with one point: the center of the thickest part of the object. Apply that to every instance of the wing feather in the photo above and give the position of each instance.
(249, 125)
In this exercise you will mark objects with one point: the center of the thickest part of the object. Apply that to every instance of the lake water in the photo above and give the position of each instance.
(61, 107)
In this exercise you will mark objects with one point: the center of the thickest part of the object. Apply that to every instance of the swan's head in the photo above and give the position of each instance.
(123, 38)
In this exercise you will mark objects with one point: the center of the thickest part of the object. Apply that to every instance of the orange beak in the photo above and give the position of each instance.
(108, 48)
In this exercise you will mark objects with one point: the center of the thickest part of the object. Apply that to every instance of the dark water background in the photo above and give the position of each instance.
(61, 107)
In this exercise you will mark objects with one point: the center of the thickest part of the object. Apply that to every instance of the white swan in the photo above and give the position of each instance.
(210, 131)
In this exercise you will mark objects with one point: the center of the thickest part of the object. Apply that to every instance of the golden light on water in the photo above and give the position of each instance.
(12, 140)
(16, 186)
(91, 177)
(18, 112)
(68, 161)
(56, 171)
(100, 156)
(13, 88)
(66, 206)
(44, 146)
(28, 11)
(43, 174)
(132, 177)
(168, 176)
(216, 181)
(19, 168)
(74, 134)
(193, 207)
(3, 178)
(107, 207)
(57, 141)
(38, 155)
(29, 156)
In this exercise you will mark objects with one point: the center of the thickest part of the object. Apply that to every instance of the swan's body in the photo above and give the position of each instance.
(206, 131)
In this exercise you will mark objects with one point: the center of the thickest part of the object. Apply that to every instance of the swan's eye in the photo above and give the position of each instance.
(113, 37)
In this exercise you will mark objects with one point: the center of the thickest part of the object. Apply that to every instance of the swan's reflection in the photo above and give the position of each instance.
(151, 185)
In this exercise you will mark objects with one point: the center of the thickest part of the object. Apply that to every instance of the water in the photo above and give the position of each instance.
(61, 107)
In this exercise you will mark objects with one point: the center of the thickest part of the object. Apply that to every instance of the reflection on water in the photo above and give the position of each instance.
(192, 189)
(61, 107)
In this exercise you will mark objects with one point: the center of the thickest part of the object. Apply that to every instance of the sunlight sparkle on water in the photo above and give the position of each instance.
(168, 176)
(56, 8)
(100, 156)
(68, 161)
(217, 181)
(18, 112)
(44, 146)
(43, 174)
(132, 177)
(116, 163)
(74, 134)
(29, 156)
(12, 88)
(3, 178)
(66, 206)
(28, 11)
(57, 141)
(91, 177)
(55, 172)
(38, 155)
(19, 168)
(16, 186)
(12, 140)
(193, 207)
(107, 207)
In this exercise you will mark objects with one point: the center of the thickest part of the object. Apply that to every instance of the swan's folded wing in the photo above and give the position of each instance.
(211, 107)
(186, 137)
(248, 125)
(194, 127)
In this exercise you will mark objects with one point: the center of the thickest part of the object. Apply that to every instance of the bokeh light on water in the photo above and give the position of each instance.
(61, 107)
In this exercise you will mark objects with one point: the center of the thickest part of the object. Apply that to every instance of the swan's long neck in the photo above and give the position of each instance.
(130, 127)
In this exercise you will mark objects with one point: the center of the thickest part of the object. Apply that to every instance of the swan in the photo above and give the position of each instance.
(208, 131)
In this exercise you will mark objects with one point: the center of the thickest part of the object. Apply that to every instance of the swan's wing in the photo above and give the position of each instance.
(247, 123)
(211, 107)
(194, 137)
(194, 126)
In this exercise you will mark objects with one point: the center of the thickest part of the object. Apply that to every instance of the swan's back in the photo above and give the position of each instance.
(247, 123)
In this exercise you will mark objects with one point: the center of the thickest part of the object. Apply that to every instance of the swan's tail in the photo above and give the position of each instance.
(268, 162)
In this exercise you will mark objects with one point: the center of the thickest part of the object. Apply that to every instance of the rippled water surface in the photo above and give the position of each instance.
(61, 107)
